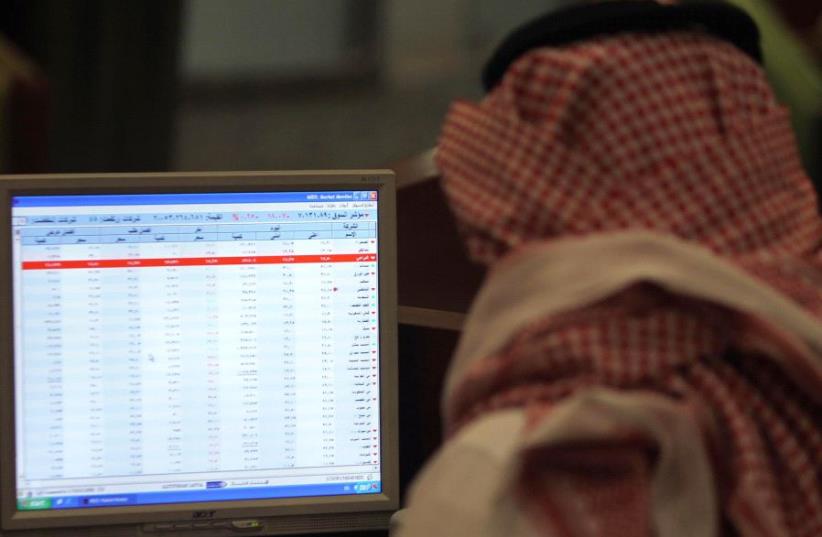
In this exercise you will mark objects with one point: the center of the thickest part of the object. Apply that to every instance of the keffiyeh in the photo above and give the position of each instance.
(648, 342)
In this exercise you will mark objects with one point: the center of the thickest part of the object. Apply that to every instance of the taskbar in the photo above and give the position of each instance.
(206, 495)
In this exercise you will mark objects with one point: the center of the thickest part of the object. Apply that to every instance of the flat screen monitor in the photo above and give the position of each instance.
(198, 352)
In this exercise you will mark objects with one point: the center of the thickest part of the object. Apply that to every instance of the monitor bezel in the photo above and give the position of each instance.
(304, 180)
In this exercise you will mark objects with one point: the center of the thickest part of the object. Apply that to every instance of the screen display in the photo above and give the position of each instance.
(195, 347)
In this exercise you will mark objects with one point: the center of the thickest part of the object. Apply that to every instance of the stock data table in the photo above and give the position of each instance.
(182, 343)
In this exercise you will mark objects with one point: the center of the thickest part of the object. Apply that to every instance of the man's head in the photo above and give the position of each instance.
(672, 131)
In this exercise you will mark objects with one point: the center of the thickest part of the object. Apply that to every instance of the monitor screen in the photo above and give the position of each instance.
(187, 346)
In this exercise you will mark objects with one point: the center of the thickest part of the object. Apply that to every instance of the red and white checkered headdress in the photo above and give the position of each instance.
(676, 133)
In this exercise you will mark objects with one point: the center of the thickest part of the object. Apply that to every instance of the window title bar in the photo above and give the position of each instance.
(97, 200)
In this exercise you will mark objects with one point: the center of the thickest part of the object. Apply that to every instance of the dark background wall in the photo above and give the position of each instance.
(112, 74)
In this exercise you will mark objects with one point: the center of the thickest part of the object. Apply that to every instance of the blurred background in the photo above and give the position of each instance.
(97, 85)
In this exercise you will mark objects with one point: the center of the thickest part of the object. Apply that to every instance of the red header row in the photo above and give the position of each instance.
(198, 261)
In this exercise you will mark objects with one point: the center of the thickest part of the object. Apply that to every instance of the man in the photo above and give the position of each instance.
(645, 357)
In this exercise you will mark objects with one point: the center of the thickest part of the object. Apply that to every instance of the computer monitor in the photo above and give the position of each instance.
(212, 352)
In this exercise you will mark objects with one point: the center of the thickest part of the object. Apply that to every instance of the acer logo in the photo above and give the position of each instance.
(199, 515)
